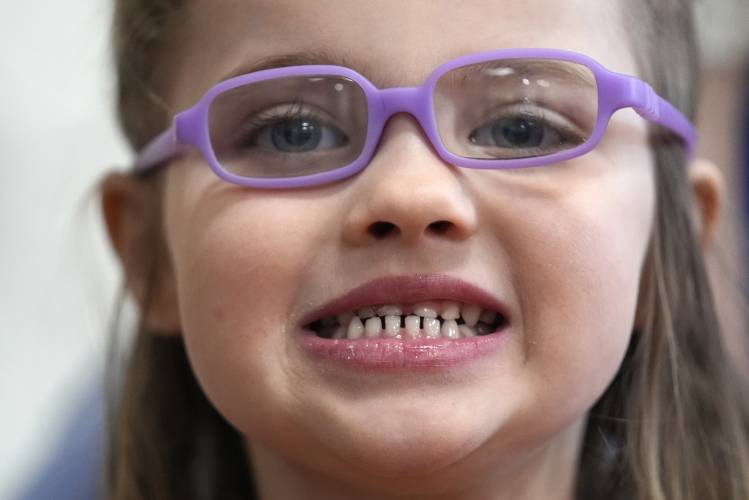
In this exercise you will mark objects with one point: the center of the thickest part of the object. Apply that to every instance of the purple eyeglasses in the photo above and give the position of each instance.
(308, 125)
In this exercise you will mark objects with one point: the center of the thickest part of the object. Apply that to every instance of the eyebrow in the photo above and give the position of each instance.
(304, 58)
(565, 70)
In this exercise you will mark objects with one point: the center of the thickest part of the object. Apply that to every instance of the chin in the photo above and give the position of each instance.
(408, 444)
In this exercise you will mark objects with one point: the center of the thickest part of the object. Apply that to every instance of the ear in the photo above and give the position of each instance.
(708, 191)
(132, 213)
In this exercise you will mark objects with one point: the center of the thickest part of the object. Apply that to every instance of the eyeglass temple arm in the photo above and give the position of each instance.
(654, 108)
(162, 148)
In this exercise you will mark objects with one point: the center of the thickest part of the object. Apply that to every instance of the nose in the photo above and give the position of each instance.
(408, 192)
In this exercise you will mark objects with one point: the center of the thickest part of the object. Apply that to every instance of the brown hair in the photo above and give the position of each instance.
(672, 425)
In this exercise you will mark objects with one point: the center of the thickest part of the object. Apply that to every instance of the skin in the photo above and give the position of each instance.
(563, 248)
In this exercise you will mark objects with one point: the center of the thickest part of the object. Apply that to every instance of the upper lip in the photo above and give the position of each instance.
(408, 289)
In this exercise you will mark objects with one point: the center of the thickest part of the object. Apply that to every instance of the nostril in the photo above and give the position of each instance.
(440, 226)
(381, 229)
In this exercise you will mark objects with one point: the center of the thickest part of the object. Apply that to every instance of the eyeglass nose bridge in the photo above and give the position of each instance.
(415, 101)
(402, 100)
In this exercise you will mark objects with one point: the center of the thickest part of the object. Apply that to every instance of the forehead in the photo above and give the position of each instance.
(393, 42)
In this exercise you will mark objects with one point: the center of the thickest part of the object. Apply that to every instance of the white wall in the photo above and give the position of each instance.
(57, 273)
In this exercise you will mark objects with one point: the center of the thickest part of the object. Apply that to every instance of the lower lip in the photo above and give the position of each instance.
(393, 354)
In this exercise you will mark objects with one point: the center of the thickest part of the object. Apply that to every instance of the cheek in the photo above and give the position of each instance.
(576, 262)
(239, 263)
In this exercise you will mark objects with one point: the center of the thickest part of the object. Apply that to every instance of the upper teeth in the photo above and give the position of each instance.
(439, 319)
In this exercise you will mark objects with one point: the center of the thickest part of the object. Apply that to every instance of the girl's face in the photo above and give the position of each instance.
(561, 246)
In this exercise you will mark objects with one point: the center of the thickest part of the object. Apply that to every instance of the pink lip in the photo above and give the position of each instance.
(386, 354)
(409, 289)
(382, 354)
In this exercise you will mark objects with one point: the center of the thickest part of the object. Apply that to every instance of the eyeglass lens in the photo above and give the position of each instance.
(289, 127)
(515, 108)
(505, 109)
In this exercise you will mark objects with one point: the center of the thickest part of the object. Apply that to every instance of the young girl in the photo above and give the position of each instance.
(407, 249)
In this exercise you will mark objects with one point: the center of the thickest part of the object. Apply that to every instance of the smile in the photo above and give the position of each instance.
(423, 320)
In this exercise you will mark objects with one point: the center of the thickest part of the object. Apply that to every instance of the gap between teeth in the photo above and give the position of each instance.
(454, 321)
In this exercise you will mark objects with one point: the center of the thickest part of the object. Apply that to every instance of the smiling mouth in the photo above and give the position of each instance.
(423, 320)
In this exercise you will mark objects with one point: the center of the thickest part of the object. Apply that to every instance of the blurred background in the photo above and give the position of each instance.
(57, 137)
(59, 276)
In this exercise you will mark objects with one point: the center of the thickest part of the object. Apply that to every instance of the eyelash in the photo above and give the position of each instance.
(295, 110)
(542, 115)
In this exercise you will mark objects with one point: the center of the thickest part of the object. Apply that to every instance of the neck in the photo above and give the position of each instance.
(547, 473)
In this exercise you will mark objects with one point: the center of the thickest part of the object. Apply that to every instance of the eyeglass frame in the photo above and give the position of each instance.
(615, 91)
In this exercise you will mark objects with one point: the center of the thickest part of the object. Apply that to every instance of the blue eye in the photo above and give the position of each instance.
(296, 135)
(293, 133)
(517, 132)
(533, 133)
